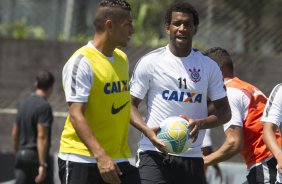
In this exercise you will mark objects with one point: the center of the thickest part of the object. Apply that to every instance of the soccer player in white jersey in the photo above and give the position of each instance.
(244, 131)
(272, 118)
(94, 143)
(177, 80)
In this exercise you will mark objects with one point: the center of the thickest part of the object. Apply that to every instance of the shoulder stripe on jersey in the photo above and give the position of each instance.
(161, 49)
(271, 98)
(74, 73)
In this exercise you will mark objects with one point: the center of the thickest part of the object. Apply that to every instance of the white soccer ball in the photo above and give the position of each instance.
(175, 134)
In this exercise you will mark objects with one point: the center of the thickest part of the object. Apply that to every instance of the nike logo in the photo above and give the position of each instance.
(116, 110)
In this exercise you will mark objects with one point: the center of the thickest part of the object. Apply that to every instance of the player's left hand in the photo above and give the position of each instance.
(193, 126)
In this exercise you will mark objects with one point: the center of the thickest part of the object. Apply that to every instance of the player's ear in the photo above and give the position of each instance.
(108, 24)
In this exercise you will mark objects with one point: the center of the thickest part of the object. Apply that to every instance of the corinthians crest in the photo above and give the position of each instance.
(195, 75)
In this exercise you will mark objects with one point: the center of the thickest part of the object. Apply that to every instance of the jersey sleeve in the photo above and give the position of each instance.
(140, 80)
(45, 115)
(273, 109)
(77, 79)
(239, 103)
(216, 88)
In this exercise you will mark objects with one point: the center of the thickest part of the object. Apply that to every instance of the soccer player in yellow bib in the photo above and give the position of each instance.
(94, 143)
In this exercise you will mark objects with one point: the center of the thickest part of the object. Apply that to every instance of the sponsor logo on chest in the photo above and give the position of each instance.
(116, 87)
(181, 96)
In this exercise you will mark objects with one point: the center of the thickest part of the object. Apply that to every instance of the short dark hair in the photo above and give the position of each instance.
(115, 3)
(44, 80)
(221, 56)
(184, 7)
(109, 9)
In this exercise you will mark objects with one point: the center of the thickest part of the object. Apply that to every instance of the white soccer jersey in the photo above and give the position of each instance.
(273, 112)
(239, 103)
(176, 86)
(273, 109)
(77, 73)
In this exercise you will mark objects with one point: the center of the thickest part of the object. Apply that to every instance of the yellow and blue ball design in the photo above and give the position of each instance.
(175, 134)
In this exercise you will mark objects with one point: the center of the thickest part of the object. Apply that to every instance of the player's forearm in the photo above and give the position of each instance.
(220, 114)
(136, 118)
(225, 152)
(270, 140)
(42, 146)
(214, 120)
(15, 136)
(137, 121)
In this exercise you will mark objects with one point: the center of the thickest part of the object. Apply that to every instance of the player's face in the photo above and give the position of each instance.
(123, 30)
(181, 31)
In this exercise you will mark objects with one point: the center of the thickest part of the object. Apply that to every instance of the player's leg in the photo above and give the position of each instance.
(130, 174)
(26, 166)
(272, 163)
(82, 173)
(263, 173)
(20, 176)
(186, 170)
(151, 167)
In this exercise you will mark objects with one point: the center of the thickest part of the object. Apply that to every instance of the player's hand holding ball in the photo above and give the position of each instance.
(175, 134)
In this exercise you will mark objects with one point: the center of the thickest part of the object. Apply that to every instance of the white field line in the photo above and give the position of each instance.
(14, 111)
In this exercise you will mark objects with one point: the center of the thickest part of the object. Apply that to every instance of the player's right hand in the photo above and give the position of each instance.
(157, 142)
(41, 174)
(109, 170)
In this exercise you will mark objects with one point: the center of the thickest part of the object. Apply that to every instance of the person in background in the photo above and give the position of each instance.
(32, 134)
(177, 80)
(272, 118)
(94, 143)
(244, 130)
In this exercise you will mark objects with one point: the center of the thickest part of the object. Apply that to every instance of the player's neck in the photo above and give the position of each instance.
(102, 44)
(41, 93)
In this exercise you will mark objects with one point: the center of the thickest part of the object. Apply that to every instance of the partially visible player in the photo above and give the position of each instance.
(244, 130)
(272, 118)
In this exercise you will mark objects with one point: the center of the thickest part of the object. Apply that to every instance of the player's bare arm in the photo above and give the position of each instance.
(270, 140)
(220, 115)
(232, 146)
(107, 167)
(137, 121)
(15, 136)
(42, 146)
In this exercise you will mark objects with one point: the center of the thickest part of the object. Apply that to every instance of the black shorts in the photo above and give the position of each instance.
(26, 167)
(155, 167)
(84, 173)
(264, 173)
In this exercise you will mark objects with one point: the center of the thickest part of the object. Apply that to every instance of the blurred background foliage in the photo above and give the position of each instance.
(149, 21)
(239, 26)
(19, 29)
